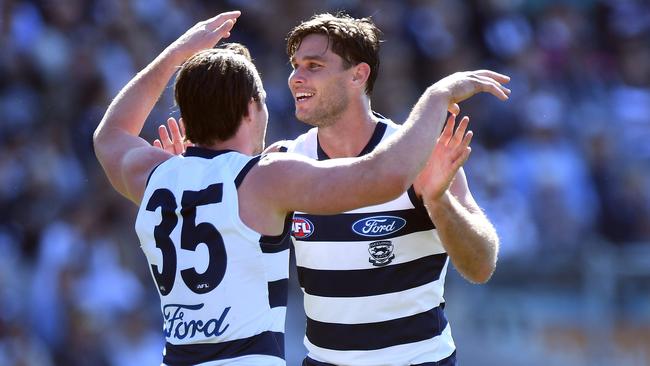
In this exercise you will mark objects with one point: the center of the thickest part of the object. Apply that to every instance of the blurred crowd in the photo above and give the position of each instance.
(563, 164)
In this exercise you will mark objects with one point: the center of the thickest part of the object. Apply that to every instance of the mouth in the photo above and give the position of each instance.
(302, 97)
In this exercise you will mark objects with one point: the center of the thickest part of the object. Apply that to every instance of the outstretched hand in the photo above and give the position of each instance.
(204, 34)
(462, 85)
(449, 154)
(172, 141)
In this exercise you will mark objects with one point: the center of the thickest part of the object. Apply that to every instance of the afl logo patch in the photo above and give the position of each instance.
(378, 225)
(381, 252)
(302, 228)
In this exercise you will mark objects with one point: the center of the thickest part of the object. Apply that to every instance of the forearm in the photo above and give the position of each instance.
(132, 105)
(402, 157)
(397, 161)
(468, 237)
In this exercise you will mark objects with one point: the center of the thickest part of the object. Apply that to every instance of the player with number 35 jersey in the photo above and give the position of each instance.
(225, 285)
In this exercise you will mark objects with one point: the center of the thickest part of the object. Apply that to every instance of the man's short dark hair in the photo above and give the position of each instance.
(354, 40)
(213, 89)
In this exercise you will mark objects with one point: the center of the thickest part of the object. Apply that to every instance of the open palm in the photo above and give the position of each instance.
(450, 153)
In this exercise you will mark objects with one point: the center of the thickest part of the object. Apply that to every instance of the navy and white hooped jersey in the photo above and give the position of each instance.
(372, 278)
(222, 286)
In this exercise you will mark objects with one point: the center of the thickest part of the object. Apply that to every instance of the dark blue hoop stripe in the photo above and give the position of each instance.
(375, 281)
(266, 343)
(372, 336)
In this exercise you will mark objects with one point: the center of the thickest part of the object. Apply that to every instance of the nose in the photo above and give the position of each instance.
(296, 77)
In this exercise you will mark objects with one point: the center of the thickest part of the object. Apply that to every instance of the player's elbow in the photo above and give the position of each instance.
(105, 141)
(480, 274)
(99, 137)
(482, 268)
(485, 260)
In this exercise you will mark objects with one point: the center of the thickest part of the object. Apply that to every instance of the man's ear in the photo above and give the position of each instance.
(360, 75)
(251, 108)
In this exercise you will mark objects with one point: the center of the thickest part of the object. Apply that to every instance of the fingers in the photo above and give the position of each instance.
(462, 159)
(158, 144)
(224, 29)
(448, 130)
(460, 140)
(176, 137)
(207, 33)
(219, 19)
(487, 85)
(165, 139)
(459, 151)
(463, 85)
(460, 131)
(182, 125)
(501, 78)
(494, 87)
(454, 109)
(491, 82)
(222, 24)
(468, 138)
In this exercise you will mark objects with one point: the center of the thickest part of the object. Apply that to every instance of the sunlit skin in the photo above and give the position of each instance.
(336, 101)
(319, 72)
(333, 98)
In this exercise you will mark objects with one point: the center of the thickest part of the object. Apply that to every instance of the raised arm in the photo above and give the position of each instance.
(325, 187)
(126, 158)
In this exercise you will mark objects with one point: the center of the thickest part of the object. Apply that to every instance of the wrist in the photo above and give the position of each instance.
(436, 202)
(435, 91)
(173, 56)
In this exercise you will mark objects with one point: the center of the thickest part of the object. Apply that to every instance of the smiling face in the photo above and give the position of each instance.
(319, 82)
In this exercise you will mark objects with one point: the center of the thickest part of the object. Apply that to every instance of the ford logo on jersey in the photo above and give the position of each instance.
(378, 225)
(302, 228)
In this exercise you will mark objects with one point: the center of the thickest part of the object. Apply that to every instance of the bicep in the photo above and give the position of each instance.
(297, 183)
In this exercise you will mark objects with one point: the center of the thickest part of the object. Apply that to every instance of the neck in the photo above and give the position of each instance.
(350, 133)
(240, 142)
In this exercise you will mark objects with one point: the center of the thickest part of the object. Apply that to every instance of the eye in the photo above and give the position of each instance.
(313, 65)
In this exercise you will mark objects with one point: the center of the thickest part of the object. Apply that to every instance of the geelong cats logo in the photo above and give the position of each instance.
(381, 252)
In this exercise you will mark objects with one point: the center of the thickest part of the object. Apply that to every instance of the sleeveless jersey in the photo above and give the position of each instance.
(372, 278)
(222, 286)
